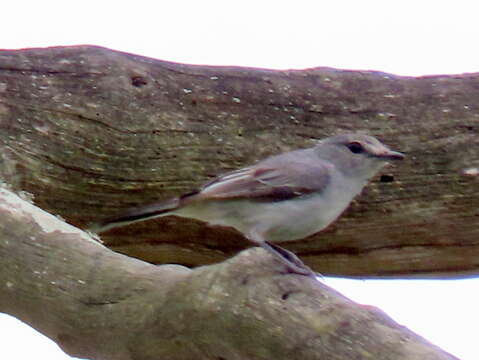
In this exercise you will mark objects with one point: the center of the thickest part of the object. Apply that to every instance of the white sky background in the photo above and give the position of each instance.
(402, 37)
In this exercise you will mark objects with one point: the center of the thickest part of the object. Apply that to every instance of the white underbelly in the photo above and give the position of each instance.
(276, 221)
(304, 218)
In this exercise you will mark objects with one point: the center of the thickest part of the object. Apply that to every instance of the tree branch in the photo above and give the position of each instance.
(98, 304)
(90, 131)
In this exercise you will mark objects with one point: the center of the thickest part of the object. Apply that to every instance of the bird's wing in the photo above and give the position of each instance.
(279, 179)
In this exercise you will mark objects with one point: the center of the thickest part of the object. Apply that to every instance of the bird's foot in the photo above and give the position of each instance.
(292, 262)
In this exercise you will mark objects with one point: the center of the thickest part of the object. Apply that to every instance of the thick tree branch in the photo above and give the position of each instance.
(90, 131)
(98, 304)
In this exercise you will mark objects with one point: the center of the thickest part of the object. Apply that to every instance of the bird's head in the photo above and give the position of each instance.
(356, 154)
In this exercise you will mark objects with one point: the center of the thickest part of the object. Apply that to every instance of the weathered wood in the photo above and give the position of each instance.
(101, 305)
(90, 131)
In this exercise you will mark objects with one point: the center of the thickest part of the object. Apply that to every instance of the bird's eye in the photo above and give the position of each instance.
(355, 147)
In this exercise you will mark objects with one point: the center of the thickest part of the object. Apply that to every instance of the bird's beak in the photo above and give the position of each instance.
(390, 155)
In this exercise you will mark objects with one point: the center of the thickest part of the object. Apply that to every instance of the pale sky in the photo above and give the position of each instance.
(402, 37)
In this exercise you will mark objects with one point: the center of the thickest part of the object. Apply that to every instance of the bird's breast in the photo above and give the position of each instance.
(277, 221)
(312, 213)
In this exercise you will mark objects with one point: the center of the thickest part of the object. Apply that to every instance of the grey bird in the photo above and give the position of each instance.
(282, 198)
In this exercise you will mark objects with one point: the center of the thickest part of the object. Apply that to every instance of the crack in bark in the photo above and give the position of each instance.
(48, 72)
(356, 251)
(219, 72)
(449, 272)
(99, 303)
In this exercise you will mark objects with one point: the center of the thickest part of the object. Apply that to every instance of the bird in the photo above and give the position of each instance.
(282, 198)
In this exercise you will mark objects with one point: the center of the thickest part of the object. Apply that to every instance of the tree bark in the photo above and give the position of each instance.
(98, 304)
(89, 131)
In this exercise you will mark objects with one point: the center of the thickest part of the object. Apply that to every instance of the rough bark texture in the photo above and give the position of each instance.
(90, 131)
(98, 304)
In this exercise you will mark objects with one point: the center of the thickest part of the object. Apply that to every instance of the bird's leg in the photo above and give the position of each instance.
(292, 262)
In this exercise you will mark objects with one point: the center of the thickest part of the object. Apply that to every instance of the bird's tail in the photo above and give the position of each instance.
(136, 214)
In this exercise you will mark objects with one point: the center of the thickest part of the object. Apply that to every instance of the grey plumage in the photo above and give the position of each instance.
(284, 197)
